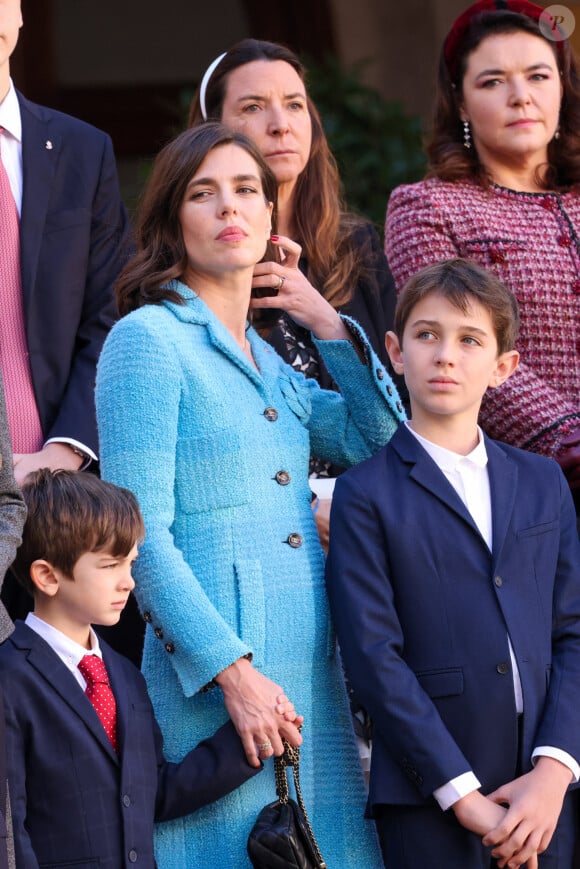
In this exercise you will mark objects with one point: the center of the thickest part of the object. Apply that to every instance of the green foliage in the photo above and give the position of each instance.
(377, 146)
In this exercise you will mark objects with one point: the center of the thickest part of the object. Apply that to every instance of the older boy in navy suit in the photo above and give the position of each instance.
(86, 769)
(454, 580)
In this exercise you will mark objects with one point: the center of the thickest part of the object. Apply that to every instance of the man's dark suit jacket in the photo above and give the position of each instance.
(423, 611)
(74, 237)
(74, 802)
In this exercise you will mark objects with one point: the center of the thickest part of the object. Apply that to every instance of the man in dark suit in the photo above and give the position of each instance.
(86, 769)
(74, 237)
(57, 292)
(454, 582)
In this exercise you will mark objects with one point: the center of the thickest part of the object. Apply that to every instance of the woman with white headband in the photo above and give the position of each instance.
(258, 88)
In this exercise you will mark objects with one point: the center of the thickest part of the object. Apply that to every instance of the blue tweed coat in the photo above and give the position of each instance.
(217, 454)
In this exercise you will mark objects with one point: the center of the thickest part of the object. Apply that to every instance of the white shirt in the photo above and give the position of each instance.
(469, 477)
(11, 121)
(69, 652)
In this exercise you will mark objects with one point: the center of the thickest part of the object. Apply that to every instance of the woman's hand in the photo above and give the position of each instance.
(260, 711)
(322, 519)
(296, 295)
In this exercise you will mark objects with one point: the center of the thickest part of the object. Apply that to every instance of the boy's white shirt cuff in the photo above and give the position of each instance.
(455, 789)
(557, 754)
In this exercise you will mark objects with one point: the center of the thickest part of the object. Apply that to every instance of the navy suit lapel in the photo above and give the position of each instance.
(60, 679)
(40, 155)
(503, 482)
(426, 474)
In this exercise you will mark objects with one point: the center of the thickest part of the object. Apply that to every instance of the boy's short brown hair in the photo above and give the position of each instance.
(457, 280)
(70, 513)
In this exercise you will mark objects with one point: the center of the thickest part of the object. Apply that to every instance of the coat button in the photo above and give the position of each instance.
(283, 478)
(147, 616)
(380, 373)
(576, 288)
(399, 407)
(564, 241)
(548, 204)
(158, 633)
(169, 647)
(294, 540)
(389, 389)
(126, 800)
(271, 414)
(132, 856)
(498, 581)
(497, 256)
(503, 668)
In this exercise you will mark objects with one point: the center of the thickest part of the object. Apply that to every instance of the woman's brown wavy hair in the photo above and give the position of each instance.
(450, 161)
(161, 256)
(320, 223)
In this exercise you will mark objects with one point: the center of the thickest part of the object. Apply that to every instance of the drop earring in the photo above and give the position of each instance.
(466, 135)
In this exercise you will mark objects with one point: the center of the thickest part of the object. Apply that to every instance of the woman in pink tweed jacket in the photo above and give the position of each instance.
(503, 190)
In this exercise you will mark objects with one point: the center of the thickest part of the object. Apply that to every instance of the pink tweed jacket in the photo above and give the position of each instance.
(530, 241)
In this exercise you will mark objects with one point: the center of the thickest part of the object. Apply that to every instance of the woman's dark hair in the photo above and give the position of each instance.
(161, 256)
(320, 223)
(449, 160)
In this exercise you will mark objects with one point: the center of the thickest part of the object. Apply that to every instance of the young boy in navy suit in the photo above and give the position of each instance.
(87, 777)
(454, 581)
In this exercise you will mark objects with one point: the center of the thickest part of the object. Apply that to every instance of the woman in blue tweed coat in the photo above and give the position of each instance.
(213, 431)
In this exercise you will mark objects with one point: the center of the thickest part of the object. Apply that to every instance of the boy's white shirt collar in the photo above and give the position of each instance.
(68, 651)
(448, 460)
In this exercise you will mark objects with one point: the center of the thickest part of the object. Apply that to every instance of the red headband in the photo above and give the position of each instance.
(461, 25)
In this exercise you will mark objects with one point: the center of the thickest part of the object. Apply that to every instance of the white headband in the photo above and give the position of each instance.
(205, 81)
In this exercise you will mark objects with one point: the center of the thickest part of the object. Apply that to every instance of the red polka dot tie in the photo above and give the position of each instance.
(99, 692)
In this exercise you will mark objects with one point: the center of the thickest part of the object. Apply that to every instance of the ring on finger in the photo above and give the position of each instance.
(264, 746)
(278, 286)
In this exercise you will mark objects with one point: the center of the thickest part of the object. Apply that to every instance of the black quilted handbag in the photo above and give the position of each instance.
(282, 837)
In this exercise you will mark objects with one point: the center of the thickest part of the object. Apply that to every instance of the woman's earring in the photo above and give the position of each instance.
(466, 135)
(557, 134)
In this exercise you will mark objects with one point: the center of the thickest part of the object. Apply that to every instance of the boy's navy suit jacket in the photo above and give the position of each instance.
(74, 802)
(423, 611)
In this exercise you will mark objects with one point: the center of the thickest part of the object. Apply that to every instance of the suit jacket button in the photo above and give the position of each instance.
(503, 668)
(126, 800)
(132, 856)
(271, 414)
(498, 581)
(294, 540)
(380, 373)
(283, 478)
(158, 633)
(169, 647)
(147, 616)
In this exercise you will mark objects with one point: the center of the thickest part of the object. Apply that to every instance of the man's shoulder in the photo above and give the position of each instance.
(67, 124)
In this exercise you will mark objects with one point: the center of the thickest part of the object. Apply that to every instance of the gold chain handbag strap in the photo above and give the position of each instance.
(291, 757)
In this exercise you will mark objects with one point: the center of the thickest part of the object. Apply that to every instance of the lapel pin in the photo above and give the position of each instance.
(48, 145)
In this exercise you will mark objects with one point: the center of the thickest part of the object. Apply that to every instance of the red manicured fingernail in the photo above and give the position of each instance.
(274, 237)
